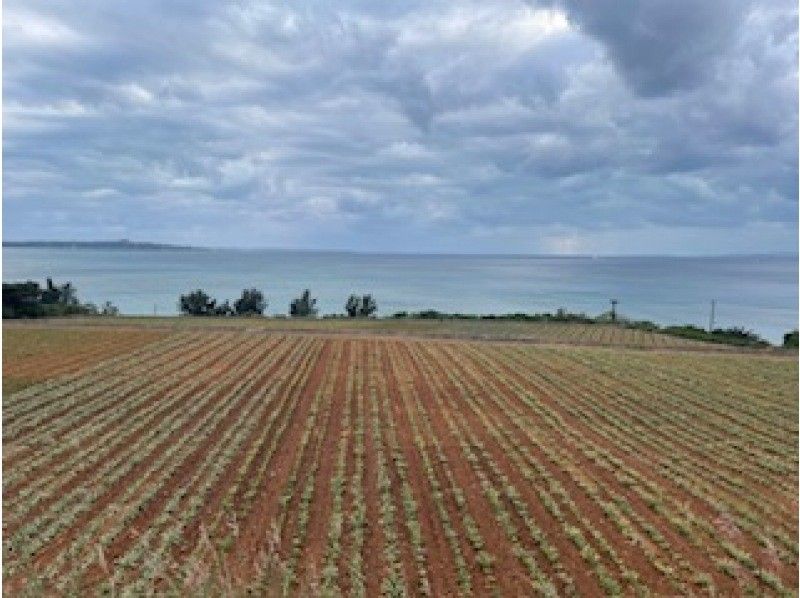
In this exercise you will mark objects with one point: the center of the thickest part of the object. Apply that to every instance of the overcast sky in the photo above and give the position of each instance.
(597, 127)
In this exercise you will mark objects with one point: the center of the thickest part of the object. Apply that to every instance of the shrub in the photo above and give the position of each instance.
(729, 336)
(28, 300)
(109, 309)
(430, 314)
(363, 306)
(304, 306)
(251, 303)
(352, 305)
(197, 303)
(223, 309)
(790, 339)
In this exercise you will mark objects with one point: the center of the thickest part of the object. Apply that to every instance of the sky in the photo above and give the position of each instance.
(605, 127)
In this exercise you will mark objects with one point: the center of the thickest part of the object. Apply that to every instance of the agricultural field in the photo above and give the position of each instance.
(32, 355)
(249, 460)
(534, 332)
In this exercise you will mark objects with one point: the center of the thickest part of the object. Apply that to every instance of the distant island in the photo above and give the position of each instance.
(120, 244)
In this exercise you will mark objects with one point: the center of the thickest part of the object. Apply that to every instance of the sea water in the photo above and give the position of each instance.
(759, 293)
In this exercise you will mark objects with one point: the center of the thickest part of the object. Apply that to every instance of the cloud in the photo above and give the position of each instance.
(661, 45)
(542, 126)
(27, 29)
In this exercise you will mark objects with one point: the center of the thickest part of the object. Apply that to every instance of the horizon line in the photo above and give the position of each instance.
(179, 246)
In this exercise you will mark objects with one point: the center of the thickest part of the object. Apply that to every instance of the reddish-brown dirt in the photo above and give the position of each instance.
(185, 364)
(253, 406)
(503, 415)
(349, 494)
(567, 551)
(698, 556)
(208, 515)
(503, 433)
(312, 556)
(374, 559)
(34, 355)
(512, 579)
(109, 451)
(220, 388)
(256, 527)
(442, 575)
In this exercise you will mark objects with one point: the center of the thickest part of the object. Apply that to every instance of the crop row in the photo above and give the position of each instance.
(405, 468)
(77, 357)
(168, 436)
(621, 449)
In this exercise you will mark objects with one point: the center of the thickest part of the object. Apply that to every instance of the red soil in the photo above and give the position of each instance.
(70, 354)
(515, 413)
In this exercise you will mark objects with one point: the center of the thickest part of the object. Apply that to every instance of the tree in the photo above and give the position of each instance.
(223, 309)
(109, 309)
(352, 305)
(304, 306)
(251, 303)
(363, 306)
(50, 294)
(368, 306)
(69, 295)
(197, 303)
(64, 294)
(29, 300)
(791, 339)
(22, 299)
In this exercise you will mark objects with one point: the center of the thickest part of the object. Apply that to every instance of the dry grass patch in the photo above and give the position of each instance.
(33, 354)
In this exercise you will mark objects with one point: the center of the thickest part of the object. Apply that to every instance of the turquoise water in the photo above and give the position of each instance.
(759, 293)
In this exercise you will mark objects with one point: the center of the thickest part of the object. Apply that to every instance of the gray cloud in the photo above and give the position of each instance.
(457, 126)
(662, 45)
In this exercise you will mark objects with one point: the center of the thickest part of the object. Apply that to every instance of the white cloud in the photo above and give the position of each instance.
(19, 118)
(421, 179)
(25, 28)
(101, 193)
(405, 150)
(134, 93)
(67, 108)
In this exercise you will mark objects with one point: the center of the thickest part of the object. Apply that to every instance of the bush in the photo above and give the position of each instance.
(22, 300)
(223, 309)
(352, 305)
(197, 303)
(304, 306)
(251, 303)
(790, 339)
(646, 325)
(729, 336)
(109, 309)
(363, 306)
(28, 300)
(430, 314)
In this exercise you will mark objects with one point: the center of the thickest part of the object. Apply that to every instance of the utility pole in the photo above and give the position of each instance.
(614, 310)
(711, 317)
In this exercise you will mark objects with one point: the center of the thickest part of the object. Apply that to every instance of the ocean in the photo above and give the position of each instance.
(759, 293)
